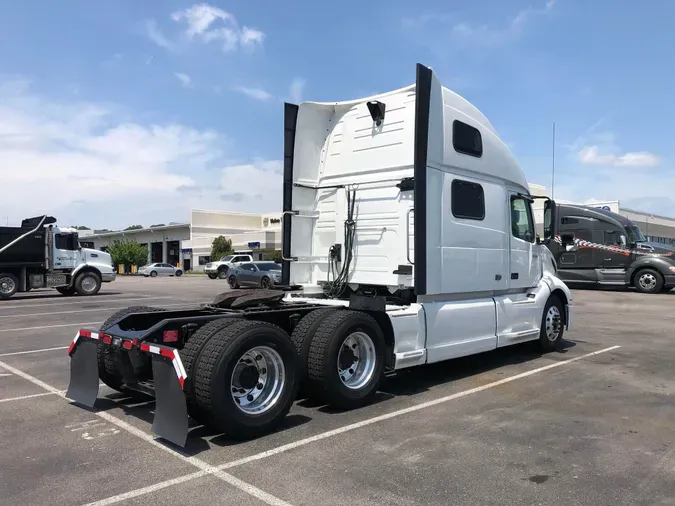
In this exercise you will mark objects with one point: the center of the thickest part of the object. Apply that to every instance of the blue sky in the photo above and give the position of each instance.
(121, 112)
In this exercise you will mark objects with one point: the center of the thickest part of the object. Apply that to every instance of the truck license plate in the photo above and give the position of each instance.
(56, 279)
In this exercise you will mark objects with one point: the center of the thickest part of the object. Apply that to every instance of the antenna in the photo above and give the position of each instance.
(553, 164)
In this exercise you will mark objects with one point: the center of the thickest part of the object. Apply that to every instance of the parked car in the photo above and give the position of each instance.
(259, 274)
(160, 269)
(220, 268)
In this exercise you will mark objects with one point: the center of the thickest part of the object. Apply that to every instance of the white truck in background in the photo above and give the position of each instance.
(39, 254)
(407, 238)
(220, 268)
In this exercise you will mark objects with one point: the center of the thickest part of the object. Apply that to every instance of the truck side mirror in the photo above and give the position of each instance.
(549, 220)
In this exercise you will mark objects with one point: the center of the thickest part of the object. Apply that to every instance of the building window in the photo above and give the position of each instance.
(466, 139)
(522, 223)
(468, 200)
(203, 260)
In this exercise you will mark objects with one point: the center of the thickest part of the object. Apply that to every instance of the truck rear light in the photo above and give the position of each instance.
(170, 336)
(106, 339)
(127, 345)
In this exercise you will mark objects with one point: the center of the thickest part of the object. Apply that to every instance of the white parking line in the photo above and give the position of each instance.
(342, 430)
(68, 311)
(22, 397)
(98, 298)
(53, 326)
(194, 461)
(32, 351)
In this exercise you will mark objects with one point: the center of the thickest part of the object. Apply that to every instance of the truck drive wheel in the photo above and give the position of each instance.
(648, 281)
(246, 378)
(302, 338)
(346, 359)
(9, 285)
(552, 324)
(190, 356)
(87, 283)
(107, 356)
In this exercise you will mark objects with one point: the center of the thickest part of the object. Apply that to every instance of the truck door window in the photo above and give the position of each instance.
(614, 238)
(60, 241)
(522, 224)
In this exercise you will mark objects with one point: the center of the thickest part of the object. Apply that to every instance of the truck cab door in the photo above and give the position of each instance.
(614, 259)
(523, 255)
(66, 251)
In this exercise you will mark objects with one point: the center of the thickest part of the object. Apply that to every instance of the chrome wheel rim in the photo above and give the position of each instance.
(88, 284)
(553, 323)
(647, 281)
(7, 285)
(265, 283)
(356, 360)
(258, 380)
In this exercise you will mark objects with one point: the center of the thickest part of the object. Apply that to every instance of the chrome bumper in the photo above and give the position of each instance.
(107, 278)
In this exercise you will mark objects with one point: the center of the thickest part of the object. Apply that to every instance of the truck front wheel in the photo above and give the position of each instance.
(87, 283)
(648, 281)
(552, 324)
(346, 359)
(9, 285)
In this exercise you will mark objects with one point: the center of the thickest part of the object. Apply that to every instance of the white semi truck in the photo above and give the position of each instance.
(39, 254)
(408, 238)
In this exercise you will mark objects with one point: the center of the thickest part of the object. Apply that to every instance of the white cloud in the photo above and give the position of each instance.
(81, 163)
(255, 93)
(185, 80)
(209, 24)
(296, 89)
(156, 35)
(591, 155)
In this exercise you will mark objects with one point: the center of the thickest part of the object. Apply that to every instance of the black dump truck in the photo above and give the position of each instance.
(39, 254)
(596, 247)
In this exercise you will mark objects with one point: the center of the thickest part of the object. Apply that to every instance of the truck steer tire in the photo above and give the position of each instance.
(9, 285)
(346, 359)
(107, 356)
(190, 357)
(222, 273)
(87, 283)
(212, 276)
(246, 378)
(66, 290)
(552, 325)
(648, 281)
(302, 338)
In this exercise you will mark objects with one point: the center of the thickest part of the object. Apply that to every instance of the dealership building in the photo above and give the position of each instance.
(189, 244)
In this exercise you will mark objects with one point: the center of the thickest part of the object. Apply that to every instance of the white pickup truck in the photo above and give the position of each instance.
(219, 269)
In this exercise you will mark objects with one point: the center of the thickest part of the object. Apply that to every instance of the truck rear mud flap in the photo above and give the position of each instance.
(171, 417)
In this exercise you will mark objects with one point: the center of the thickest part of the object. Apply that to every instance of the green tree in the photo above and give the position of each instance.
(128, 252)
(157, 225)
(273, 255)
(134, 227)
(220, 247)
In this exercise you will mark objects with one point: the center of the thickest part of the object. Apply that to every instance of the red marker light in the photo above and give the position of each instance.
(170, 336)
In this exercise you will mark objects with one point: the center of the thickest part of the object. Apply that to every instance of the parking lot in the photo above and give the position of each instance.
(591, 424)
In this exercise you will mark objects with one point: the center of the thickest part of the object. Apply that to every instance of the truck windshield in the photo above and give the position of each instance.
(635, 235)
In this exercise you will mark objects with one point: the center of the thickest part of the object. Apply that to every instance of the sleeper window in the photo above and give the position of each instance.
(466, 139)
(468, 200)
(522, 224)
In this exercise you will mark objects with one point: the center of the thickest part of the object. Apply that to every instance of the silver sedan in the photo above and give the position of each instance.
(159, 269)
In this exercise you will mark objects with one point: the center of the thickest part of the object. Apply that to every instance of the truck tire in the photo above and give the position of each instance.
(648, 281)
(87, 283)
(190, 357)
(302, 338)
(246, 378)
(552, 325)
(107, 356)
(222, 272)
(346, 359)
(212, 276)
(9, 285)
(66, 290)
